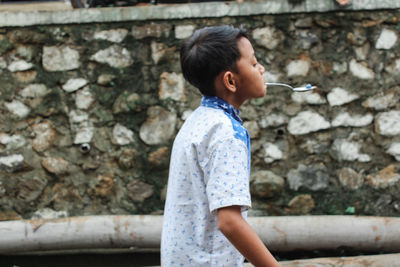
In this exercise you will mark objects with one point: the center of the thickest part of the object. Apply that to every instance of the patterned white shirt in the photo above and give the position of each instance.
(209, 169)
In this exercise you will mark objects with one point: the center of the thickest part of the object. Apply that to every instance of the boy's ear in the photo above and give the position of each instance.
(229, 81)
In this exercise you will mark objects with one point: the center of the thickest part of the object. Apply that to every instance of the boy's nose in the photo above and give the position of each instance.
(262, 69)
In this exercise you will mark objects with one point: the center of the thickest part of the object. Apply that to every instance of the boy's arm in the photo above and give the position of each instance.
(243, 237)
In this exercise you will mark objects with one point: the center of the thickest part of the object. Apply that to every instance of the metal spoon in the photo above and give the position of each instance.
(308, 87)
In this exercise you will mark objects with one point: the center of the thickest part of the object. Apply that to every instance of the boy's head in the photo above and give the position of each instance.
(207, 53)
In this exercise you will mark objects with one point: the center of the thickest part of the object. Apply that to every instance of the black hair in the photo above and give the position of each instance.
(209, 51)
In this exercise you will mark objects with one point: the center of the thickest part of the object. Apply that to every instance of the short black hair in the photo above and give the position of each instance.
(209, 51)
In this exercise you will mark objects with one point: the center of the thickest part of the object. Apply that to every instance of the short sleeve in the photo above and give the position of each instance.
(227, 175)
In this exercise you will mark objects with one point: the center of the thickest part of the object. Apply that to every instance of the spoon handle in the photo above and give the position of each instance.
(279, 84)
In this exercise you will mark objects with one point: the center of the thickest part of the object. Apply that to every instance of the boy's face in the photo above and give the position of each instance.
(249, 80)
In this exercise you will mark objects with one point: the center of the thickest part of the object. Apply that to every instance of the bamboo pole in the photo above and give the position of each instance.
(376, 234)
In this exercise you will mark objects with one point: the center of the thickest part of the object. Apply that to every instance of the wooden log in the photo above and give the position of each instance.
(379, 234)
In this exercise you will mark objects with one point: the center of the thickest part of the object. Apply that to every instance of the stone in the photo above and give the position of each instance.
(65, 197)
(394, 67)
(13, 162)
(184, 31)
(350, 179)
(388, 123)
(113, 35)
(34, 91)
(12, 142)
(47, 213)
(74, 84)
(60, 58)
(252, 128)
(84, 98)
(105, 79)
(362, 52)
(306, 22)
(104, 185)
(172, 86)
(292, 109)
(122, 135)
(186, 114)
(268, 37)
(315, 147)
(358, 37)
(272, 77)
(101, 139)
(163, 194)
(344, 150)
(272, 153)
(273, 120)
(301, 204)
(10, 216)
(387, 39)
(382, 204)
(77, 117)
(19, 65)
(115, 56)
(84, 134)
(30, 189)
(313, 177)
(385, 178)
(298, 68)
(307, 39)
(307, 122)
(159, 157)
(311, 98)
(360, 71)
(3, 63)
(139, 191)
(44, 136)
(339, 96)
(394, 150)
(127, 102)
(266, 184)
(347, 120)
(3, 191)
(82, 126)
(25, 52)
(151, 30)
(57, 166)
(18, 109)
(25, 76)
(381, 102)
(159, 126)
(128, 158)
(339, 67)
(158, 51)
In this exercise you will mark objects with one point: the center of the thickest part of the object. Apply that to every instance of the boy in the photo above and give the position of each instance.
(208, 187)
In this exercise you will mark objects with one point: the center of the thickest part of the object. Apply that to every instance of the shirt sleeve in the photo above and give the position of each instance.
(227, 175)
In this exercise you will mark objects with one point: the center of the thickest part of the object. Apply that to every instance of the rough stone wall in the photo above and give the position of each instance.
(88, 113)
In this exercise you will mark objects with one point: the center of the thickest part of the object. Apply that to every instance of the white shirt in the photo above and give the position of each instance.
(209, 169)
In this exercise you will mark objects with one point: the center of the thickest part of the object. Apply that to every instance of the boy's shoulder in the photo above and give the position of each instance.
(213, 125)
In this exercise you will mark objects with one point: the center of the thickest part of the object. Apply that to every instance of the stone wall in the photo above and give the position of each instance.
(88, 113)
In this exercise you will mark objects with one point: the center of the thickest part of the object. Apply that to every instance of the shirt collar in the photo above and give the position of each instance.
(218, 103)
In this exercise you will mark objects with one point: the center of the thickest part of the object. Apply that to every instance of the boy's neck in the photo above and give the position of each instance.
(231, 99)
